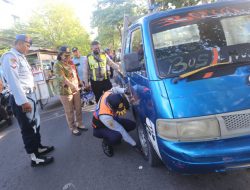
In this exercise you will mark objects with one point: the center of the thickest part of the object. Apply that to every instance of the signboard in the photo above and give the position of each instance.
(38, 76)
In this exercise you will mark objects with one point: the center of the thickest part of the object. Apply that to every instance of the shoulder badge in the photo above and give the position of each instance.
(13, 63)
(121, 105)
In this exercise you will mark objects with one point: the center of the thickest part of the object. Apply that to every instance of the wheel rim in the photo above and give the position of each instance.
(143, 140)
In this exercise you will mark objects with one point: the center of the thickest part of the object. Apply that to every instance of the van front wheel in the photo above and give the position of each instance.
(147, 149)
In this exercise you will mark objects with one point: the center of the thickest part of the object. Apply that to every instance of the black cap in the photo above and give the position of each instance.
(74, 49)
(118, 103)
(64, 49)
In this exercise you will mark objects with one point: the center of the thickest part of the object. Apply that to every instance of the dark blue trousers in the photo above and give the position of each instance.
(113, 137)
(31, 138)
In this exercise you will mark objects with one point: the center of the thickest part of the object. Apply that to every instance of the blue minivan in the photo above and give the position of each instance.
(189, 74)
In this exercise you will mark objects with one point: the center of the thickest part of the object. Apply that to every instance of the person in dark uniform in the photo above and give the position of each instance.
(19, 77)
(108, 125)
(97, 72)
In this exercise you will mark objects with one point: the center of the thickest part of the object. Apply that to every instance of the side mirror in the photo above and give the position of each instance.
(132, 62)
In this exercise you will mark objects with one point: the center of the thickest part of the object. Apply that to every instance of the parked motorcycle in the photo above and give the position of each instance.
(5, 108)
(87, 97)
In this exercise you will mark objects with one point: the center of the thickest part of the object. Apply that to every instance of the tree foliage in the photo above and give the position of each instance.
(108, 18)
(52, 26)
(7, 37)
(166, 4)
(55, 25)
(177, 3)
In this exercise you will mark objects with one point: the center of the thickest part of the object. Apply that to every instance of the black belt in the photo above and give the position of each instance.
(29, 91)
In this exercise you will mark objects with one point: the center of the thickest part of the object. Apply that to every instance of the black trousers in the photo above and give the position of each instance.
(31, 137)
(99, 87)
(111, 72)
(112, 137)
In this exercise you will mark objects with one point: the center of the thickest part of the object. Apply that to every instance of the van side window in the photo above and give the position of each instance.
(126, 51)
(137, 47)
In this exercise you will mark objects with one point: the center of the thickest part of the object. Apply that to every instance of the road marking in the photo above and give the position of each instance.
(4, 133)
(51, 118)
(56, 109)
(69, 186)
(57, 114)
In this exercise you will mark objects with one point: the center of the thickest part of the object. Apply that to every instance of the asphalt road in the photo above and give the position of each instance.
(81, 165)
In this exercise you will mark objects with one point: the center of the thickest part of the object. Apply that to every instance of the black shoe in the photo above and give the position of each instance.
(45, 149)
(107, 149)
(40, 160)
(83, 129)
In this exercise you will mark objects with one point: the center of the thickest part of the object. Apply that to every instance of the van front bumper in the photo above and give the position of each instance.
(206, 156)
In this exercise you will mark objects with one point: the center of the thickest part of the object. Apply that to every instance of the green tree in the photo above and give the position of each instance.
(56, 24)
(3, 50)
(50, 27)
(165, 4)
(7, 36)
(108, 18)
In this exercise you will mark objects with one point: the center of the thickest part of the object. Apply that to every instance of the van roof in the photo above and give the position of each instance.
(160, 14)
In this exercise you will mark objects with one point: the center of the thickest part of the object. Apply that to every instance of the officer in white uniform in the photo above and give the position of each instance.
(18, 74)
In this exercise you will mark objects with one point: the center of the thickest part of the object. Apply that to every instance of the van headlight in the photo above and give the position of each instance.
(188, 130)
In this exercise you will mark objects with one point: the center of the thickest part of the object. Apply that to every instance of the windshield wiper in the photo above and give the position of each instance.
(175, 80)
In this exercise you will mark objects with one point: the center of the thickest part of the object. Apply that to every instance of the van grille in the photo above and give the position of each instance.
(237, 121)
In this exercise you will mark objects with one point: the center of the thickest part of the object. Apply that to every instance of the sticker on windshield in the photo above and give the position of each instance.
(185, 62)
(198, 15)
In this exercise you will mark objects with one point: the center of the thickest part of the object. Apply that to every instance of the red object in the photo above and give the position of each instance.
(208, 75)
(215, 56)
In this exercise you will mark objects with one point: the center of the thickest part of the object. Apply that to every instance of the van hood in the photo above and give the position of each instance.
(195, 96)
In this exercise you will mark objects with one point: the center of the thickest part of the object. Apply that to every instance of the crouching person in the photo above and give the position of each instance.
(107, 124)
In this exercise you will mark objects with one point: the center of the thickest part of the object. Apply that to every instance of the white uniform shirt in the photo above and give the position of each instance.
(18, 74)
(81, 68)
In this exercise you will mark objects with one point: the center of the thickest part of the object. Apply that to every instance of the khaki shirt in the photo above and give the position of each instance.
(68, 71)
(1, 86)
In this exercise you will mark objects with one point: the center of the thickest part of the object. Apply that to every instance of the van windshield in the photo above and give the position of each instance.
(189, 41)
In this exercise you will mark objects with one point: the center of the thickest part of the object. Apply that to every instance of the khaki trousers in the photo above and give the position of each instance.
(73, 109)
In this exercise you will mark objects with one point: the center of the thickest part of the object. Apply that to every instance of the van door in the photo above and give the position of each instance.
(143, 105)
(138, 80)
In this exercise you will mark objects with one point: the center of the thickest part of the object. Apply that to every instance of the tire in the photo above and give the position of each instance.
(148, 151)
